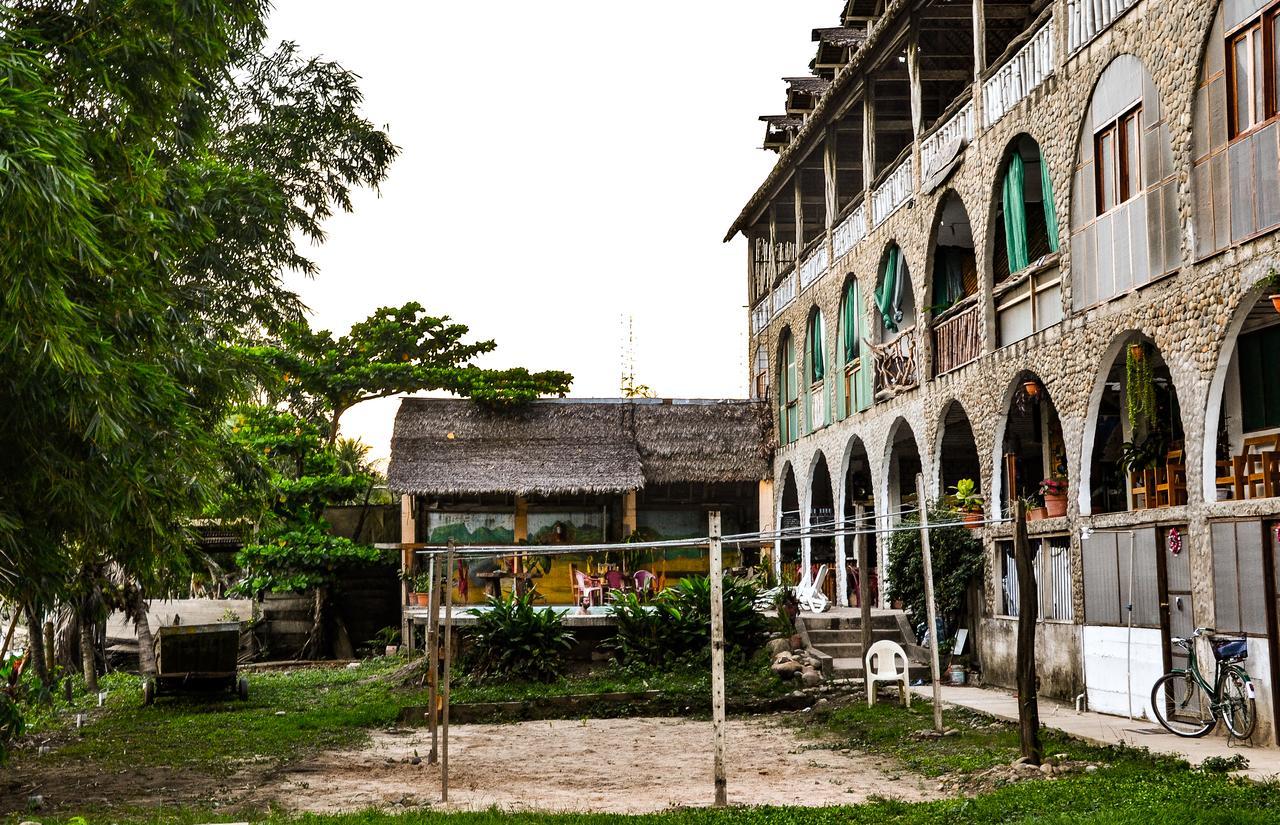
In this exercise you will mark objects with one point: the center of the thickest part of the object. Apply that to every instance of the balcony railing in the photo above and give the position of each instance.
(850, 231)
(817, 405)
(760, 315)
(1016, 79)
(785, 293)
(893, 193)
(1086, 19)
(959, 126)
(813, 266)
(896, 364)
(957, 336)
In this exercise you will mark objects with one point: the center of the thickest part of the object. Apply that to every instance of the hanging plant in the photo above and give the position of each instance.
(1140, 388)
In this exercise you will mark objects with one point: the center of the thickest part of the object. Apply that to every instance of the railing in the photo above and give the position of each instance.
(896, 364)
(813, 266)
(785, 293)
(1086, 19)
(893, 193)
(1016, 79)
(850, 231)
(957, 337)
(817, 405)
(959, 126)
(760, 316)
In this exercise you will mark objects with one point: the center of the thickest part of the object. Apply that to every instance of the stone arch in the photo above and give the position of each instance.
(858, 487)
(1103, 483)
(1111, 194)
(955, 449)
(951, 287)
(788, 519)
(1029, 436)
(821, 516)
(1234, 399)
(1024, 275)
(902, 461)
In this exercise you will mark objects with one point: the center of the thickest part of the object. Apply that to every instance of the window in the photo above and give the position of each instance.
(1118, 161)
(815, 369)
(1052, 566)
(788, 395)
(1260, 379)
(855, 387)
(1253, 72)
(760, 374)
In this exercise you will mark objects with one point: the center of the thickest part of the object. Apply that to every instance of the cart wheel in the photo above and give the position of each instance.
(148, 692)
(242, 689)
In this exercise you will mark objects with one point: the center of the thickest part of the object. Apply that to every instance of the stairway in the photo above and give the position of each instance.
(836, 642)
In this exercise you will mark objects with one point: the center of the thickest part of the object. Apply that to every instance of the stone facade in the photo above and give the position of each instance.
(1191, 315)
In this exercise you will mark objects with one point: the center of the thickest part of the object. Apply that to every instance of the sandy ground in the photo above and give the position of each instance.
(619, 765)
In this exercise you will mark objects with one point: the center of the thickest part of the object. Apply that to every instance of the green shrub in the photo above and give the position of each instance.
(957, 561)
(512, 639)
(678, 623)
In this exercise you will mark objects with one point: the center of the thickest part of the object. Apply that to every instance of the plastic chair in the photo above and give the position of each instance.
(809, 592)
(646, 582)
(881, 665)
(586, 591)
(613, 578)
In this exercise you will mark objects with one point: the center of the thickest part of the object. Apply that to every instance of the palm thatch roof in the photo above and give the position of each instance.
(446, 446)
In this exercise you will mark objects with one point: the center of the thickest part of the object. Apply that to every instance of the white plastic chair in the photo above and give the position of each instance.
(885, 655)
(809, 593)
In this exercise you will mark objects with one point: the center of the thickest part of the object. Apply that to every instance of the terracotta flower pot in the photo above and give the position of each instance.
(972, 520)
(1055, 505)
(420, 599)
(1275, 302)
(1037, 514)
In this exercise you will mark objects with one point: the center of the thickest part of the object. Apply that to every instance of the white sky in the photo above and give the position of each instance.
(562, 164)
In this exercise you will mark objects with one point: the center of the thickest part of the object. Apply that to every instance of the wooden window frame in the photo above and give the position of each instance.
(1124, 160)
(1264, 24)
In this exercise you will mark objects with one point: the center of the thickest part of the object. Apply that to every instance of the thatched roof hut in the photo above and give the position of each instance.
(446, 446)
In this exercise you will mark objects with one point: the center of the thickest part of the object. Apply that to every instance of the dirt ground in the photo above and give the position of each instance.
(616, 765)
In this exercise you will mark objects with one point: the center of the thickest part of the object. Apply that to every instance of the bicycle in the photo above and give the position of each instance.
(1186, 705)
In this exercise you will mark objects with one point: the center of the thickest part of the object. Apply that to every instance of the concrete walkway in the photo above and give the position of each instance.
(1264, 761)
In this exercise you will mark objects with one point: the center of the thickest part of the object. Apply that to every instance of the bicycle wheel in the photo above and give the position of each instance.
(1181, 707)
(1237, 706)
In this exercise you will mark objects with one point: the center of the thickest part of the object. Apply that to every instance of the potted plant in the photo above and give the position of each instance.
(1271, 284)
(968, 502)
(420, 587)
(1054, 493)
(1035, 510)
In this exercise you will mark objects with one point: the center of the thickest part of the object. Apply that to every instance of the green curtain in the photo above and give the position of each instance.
(849, 323)
(1015, 215)
(948, 279)
(886, 290)
(1050, 212)
(817, 363)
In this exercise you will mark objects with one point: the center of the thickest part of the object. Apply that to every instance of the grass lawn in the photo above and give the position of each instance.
(292, 714)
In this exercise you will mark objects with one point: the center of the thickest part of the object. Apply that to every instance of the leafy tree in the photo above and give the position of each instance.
(395, 350)
(957, 561)
(158, 168)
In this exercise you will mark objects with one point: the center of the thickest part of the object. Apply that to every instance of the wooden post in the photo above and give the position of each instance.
(930, 606)
(979, 63)
(1028, 598)
(433, 659)
(448, 673)
(408, 535)
(864, 585)
(717, 655)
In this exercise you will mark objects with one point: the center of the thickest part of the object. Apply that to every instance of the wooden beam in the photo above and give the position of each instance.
(958, 12)
(930, 605)
(979, 42)
(717, 657)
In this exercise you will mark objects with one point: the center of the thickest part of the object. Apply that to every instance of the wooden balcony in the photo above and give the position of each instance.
(957, 336)
(896, 368)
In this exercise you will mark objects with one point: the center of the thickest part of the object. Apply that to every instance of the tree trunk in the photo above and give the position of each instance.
(35, 643)
(146, 644)
(1028, 601)
(88, 659)
(364, 512)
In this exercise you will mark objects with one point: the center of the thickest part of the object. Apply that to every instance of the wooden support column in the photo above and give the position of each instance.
(408, 535)
(868, 144)
(764, 519)
(829, 157)
(798, 195)
(434, 567)
(630, 519)
(448, 668)
(979, 62)
(773, 266)
(931, 607)
(520, 533)
(917, 96)
(860, 544)
(1028, 598)
(717, 657)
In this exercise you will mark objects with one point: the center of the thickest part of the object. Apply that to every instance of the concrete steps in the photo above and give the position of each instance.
(836, 642)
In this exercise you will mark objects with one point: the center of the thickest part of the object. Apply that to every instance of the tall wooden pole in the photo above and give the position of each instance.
(717, 655)
(860, 544)
(448, 673)
(1028, 598)
(930, 606)
(433, 658)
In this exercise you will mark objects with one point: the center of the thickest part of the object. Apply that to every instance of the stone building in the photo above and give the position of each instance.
(1026, 241)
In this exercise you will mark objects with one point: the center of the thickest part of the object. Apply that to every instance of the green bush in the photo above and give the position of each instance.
(957, 561)
(514, 640)
(677, 625)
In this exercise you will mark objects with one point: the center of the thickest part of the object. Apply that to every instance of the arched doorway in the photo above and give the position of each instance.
(1137, 461)
(788, 544)
(956, 321)
(859, 491)
(1032, 448)
(903, 466)
(822, 519)
(957, 451)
